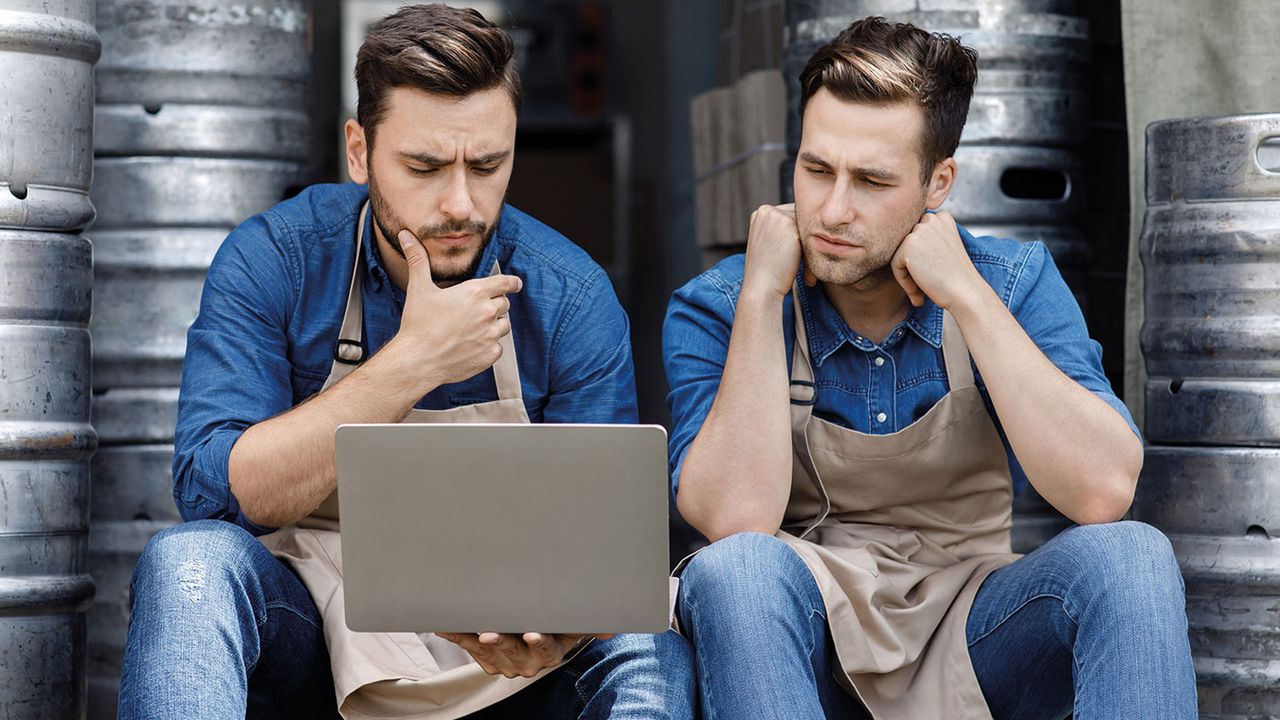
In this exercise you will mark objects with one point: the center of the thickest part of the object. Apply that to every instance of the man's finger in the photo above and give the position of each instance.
(491, 659)
(909, 286)
(546, 649)
(495, 286)
(416, 256)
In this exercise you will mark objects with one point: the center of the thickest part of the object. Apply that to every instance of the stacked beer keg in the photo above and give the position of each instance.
(47, 51)
(1211, 340)
(1019, 156)
(201, 123)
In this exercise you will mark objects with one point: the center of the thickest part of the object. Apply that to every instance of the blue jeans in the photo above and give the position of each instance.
(222, 629)
(1091, 623)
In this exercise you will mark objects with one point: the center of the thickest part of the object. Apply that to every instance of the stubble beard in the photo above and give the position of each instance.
(457, 263)
(867, 273)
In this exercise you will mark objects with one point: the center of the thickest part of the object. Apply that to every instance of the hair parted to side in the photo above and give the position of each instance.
(436, 48)
(876, 61)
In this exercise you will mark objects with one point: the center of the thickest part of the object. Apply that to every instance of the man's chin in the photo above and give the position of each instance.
(454, 267)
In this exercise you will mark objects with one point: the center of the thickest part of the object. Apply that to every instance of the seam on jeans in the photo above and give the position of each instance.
(277, 605)
(1019, 609)
(702, 687)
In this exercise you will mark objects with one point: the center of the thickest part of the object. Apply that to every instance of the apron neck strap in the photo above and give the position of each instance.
(955, 354)
(349, 351)
(803, 391)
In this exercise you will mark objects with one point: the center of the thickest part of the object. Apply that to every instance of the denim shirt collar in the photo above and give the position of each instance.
(828, 331)
(376, 274)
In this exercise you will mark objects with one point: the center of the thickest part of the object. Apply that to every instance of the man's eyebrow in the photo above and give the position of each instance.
(814, 159)
(878, 173)
(433, 161)
(490, 158)
(875, 173)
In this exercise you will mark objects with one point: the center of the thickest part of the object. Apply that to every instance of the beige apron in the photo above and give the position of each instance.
(393, 675)
(899, 531)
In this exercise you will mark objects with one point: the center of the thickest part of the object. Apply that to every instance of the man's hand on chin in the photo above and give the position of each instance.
(514, 656)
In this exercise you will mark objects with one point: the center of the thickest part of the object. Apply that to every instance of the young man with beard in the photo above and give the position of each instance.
(852, 402)
(420, 297)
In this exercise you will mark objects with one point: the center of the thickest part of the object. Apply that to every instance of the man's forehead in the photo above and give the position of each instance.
(847, 133)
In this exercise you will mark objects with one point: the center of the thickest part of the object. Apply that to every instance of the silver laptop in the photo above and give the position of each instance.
(504, 528)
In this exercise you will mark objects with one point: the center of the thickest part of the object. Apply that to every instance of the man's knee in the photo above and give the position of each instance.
(746, 572)
(1124, 560)
(190, 559)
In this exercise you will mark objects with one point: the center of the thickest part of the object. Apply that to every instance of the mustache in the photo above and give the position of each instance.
(453, 227)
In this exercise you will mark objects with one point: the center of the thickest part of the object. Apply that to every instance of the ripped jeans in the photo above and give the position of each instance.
(222, 629)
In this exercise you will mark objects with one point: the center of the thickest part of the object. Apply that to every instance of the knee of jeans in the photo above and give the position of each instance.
(668, 649)
(189, 559)
(747, 564)
(1123, 558)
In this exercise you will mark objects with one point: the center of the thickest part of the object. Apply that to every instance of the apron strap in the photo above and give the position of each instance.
(804, 395)
(349, 351)
(506, 372)
(955, 354)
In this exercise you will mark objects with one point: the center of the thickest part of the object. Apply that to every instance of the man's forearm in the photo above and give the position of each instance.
(736, 475)
(1077, 451)
(283, 468)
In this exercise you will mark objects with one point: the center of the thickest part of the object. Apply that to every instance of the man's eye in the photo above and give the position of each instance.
(486, 170)
(422, 171)
(875, 184)
(818, 171)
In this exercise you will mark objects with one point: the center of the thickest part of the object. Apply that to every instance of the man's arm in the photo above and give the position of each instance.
(1077, 451)
(282, 469)
(736, 475)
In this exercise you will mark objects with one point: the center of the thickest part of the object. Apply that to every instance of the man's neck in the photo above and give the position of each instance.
(872, 308)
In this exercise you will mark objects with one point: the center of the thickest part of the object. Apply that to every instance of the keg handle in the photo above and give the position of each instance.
(1259, 139)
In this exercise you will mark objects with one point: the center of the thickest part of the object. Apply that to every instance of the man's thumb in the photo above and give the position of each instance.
(415, 255)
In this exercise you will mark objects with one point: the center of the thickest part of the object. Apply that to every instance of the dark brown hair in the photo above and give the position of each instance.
(876, 61)
(436, 48)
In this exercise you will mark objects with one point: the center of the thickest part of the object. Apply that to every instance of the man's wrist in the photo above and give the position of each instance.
(973, 303)
(760, 294)
(398, 359)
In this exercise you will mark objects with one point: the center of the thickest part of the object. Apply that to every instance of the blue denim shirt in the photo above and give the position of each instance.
(272, 307)
(852, 390)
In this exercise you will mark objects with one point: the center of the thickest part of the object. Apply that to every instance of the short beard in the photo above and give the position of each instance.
(862, 275)
(871, 272)
(386, 219)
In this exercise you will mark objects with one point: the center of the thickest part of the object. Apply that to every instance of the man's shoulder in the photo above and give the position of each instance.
(306, 220)
(321, 210)
(529, 244)
(717, 287)
(1005, 262)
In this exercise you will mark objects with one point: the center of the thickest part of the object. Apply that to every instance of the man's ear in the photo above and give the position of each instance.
(357, 152)
(940, 183)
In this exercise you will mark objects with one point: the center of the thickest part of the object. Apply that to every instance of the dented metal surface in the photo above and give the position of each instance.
(147, 286)
(1220, 507)
(1210, 249)
(45, 445)
(253, 53)
(47, 50)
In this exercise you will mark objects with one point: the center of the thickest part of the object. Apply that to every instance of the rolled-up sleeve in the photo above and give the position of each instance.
(236, 372)
(695, 344)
